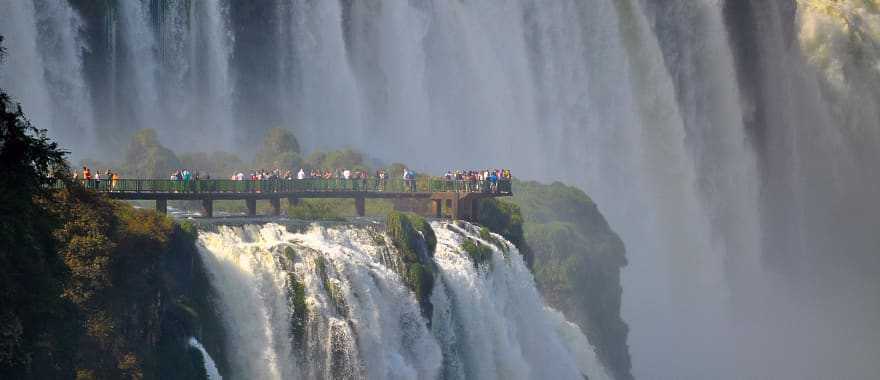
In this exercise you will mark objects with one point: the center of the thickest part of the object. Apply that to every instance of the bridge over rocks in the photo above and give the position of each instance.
(460, 199)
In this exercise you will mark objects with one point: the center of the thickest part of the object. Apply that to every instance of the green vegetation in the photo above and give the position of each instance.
(343, 158)
(331, 209)
(478, 252)
(145, 157)
(280, 150)
(418, 266)
(297, 301)
(91, 288)
(311, 210)
(575, 257)
(220, 165)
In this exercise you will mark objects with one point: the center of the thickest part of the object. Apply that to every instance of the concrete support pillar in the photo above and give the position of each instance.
(162, 206)
(360, 206)
(276, 206)
(208, 208)
(456, 207)
(475, 210)
(251, 206)
(437, 208)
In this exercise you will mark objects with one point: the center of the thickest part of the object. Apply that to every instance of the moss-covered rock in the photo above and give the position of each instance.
(575, 257)
(478, 252)
(299, 318)
(415, 240)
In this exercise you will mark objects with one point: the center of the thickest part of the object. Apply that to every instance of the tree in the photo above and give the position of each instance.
(337, 159)
(218, 164)
(280, 150)
(145, 157)
(32, 311)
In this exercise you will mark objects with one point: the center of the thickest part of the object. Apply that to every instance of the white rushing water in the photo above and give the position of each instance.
(210, 366)
(361, 321)
(743, 185)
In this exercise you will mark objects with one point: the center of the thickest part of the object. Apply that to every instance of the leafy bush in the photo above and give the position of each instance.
(146, 157)
(280, 150)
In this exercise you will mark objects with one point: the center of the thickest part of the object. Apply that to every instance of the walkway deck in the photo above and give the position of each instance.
(461, 198)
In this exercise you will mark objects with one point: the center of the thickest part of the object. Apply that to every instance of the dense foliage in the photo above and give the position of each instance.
(343, 158)
(576, 260)
(87, 290)
(146, 157)
(280, 149)
(34, 318)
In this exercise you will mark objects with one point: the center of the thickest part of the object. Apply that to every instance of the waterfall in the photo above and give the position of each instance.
(359, 320)
(141, 66)
(45, 69)
(210, 366)
(23, 75)
(732, 144)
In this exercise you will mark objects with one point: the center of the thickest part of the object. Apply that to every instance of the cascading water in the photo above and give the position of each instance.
(141, 68)
(210, 366)
(361, 321)
(45, 69)
(731, 174)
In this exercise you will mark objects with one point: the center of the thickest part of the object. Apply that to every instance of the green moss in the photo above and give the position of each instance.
(315, 210)
(478, 252)
(504, 218)
(419, 270)
(378, 239)
(331, 288)
(422, 225)
(486, 235)
(575, 257)
(299, 318)
(420, 278)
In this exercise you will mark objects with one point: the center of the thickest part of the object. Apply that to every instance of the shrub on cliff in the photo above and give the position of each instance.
(575, 257)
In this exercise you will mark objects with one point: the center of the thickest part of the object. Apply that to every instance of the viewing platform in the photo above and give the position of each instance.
(460, 198)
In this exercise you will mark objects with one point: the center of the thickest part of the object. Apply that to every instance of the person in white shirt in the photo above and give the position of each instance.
(301, 174)
(346, 174)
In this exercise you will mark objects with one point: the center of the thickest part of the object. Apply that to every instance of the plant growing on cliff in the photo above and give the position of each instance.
(575, 257)
(415, 240)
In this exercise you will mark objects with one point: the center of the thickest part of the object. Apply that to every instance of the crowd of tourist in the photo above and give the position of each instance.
(360, 176)
(109, 177)
(486, 180)
(479, 180)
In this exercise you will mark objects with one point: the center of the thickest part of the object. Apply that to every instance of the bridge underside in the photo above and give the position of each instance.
(453, 205)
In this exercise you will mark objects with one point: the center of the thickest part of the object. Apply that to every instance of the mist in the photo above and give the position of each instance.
(732, 144)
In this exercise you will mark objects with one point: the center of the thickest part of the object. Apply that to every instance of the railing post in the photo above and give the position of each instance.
(251, 206)
(437, 205)
(208, 208)
(360, 206)
(162, 206)
(276, 206)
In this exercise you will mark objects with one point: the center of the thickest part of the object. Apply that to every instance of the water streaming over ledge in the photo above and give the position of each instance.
(361, 321)
(696, 125)
(210, 366)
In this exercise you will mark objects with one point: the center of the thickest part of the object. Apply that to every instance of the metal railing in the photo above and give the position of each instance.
(317, 185)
